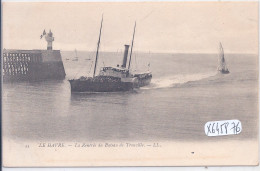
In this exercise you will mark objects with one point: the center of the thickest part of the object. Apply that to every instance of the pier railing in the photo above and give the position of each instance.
(16, 63)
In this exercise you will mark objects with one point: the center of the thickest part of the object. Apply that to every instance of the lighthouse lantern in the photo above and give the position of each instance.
(49, 38)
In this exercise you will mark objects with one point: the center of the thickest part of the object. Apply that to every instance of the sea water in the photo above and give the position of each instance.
(185, 93)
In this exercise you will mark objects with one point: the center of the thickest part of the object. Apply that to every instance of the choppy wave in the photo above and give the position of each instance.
(171, 81)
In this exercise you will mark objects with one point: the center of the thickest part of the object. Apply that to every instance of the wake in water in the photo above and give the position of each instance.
(172, 81)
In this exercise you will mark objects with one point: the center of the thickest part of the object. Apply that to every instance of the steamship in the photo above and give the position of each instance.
(111, 79)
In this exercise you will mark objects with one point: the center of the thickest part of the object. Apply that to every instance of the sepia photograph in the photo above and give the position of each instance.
(130, 84)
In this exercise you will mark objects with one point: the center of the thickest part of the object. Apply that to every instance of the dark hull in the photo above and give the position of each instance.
(100, 84)
(143, 82)
(224, 71)
(108, 84)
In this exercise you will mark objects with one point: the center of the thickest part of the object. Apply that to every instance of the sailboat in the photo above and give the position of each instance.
(111, 79)
(76, 58)
(222, 67)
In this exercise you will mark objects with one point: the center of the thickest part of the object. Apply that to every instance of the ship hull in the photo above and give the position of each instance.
(100, 85)
(224, 71)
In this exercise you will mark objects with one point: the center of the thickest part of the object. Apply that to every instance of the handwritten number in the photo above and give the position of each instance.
(238, 129)
(213, 130)
(217, 128)
(227, 127)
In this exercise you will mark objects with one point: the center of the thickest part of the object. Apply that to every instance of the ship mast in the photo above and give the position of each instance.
(131, 48)
(98, 47)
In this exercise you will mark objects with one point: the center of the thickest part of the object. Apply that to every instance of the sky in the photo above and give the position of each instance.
(168, 27)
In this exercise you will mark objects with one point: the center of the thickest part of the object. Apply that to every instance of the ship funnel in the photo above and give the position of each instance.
(125, 56)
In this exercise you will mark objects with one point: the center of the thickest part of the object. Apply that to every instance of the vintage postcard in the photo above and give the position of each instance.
(129, 83)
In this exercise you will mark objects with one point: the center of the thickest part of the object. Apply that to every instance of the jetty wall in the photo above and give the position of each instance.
(32, 65)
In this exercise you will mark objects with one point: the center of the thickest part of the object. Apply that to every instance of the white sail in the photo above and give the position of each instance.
(222, 63)
(76, 54)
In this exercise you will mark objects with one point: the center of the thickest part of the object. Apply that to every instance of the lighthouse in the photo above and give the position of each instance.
(49, 38)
